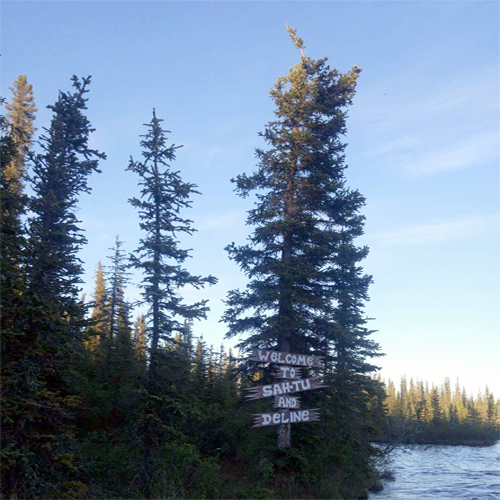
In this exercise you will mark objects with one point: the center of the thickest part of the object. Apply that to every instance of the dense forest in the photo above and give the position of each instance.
(99, 402)
(419, 413)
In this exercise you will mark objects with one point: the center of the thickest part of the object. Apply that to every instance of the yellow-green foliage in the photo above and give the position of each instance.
(440, 413)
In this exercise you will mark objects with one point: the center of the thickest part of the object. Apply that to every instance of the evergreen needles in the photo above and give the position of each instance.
(306, 286)
(159, 257)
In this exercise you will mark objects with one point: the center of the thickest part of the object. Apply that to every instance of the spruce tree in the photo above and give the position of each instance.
(123, 342)
(489, 411)
(16, 132)
(307, 287)
(436, 410)
(100, 312)
(12, 234)
(119, 366)
(118, 277)
(60, 176)
(200, 367)
(13, 205)
(163, 196)
(20, 116)
(140, 340)
(53, 314)
(12, 293)
(422, 411)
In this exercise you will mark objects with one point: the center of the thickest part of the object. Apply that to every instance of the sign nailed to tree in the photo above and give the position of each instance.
(285, 417)
(286, 358)
(290, 402)
(289, 411)
(280, 388)
(288, 372)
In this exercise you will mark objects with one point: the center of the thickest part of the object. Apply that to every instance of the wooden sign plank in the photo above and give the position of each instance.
(286, 358)
(285, 417)
(290, 402)
(291, 372)
(281, 388)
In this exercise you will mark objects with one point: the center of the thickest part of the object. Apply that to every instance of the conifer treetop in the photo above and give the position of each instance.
(297, 41)
(21, 113)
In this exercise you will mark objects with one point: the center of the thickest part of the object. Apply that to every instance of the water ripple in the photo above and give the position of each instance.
(444, 472)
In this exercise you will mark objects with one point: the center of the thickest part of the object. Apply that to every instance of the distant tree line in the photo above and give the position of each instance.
(419, 413)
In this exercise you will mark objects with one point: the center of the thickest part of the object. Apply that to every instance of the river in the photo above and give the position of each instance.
(444, 472)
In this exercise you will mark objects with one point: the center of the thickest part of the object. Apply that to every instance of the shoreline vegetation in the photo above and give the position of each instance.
(419, 413)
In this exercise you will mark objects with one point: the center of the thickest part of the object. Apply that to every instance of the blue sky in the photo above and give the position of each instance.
(423, 144)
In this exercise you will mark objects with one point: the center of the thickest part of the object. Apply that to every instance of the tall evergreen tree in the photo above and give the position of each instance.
(118, 277)
(12, 234)
(163, 196)
(20, 116)
(61, 174)
(12, 292)
(100, 312)
(489, 410)
(13, 204)
(53, 314)
(124, 345)
(306, 286)
(140, 340)
(436, 411)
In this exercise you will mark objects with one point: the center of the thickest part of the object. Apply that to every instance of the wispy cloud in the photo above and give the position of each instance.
(475, 95)
(474, 151)
(440, 232)
(226, 152)
(404, 144)
(447, 127)
(220, 221)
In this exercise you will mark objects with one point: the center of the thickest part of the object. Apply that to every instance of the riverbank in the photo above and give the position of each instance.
(402, 430)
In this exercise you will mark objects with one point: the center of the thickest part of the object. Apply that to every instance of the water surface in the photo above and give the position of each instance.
(444, 472)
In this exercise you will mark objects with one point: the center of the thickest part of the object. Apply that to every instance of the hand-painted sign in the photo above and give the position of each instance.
(288, 372)
(285, 417)
(281, 388)
(286, 358)
(289, 411)
(290, 402)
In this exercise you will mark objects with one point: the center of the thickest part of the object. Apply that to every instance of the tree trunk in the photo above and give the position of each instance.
(284, 431)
